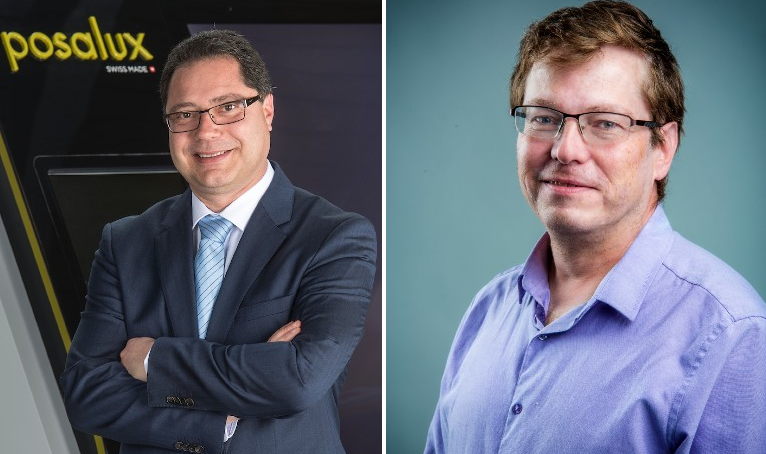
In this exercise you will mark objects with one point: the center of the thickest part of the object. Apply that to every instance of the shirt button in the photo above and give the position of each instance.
(542, 337)
(516, 409)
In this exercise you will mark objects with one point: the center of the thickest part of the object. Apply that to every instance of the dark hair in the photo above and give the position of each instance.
(572, 35)
(217, 43)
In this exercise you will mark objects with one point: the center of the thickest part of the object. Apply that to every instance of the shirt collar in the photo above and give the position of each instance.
(240, 210)
(534, 275)
(626, 284)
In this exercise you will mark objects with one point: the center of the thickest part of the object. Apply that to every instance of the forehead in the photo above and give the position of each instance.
(613, 79)
(202, 80)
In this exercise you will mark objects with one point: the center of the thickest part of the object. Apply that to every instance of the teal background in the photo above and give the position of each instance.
(455, 215)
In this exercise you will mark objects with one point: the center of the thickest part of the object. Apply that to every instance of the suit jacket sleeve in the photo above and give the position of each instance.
(282, 378)
(101, 397)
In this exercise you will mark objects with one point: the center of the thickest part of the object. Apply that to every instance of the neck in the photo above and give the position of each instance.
(584, 258)
(217, 204)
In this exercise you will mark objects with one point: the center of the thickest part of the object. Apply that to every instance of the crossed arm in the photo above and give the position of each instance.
(135, 351)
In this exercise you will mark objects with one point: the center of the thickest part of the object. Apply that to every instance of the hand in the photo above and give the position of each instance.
(286, 333)
(133, 355)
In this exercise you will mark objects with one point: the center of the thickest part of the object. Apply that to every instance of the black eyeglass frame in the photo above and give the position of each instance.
(247, 102)
(648, 123)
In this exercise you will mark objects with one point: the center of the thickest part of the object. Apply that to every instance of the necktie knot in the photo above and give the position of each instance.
(214, 227)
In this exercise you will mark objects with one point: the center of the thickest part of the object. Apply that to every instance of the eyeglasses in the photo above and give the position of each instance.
(222, 114)
(597, 128)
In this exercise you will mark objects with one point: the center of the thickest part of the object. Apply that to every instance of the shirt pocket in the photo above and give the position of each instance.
(255, 310)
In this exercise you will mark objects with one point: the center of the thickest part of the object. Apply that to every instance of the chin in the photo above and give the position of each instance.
(568, 221)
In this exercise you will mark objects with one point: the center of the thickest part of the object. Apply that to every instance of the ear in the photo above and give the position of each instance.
(268, 109)
(665, 151)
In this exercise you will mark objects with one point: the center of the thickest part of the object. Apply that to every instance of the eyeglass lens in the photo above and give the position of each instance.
(223, 114)
(596, 127)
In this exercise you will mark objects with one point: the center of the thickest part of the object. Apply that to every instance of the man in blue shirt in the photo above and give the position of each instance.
(617, 334)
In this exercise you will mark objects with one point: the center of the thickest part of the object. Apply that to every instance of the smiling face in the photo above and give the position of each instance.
(220, 162)
(574, 187)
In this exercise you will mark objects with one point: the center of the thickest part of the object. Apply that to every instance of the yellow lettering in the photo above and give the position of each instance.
(97, 35)
(64, 51)
(14, 55)
(85, 45)
(38, 53)
(89, 53)
(138, 48)
(117, 54)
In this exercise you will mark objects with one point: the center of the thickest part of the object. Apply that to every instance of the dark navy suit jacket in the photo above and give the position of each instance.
(300, 258)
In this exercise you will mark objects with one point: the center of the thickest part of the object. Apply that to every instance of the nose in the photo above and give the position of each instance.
(570, 145)
(206, 126)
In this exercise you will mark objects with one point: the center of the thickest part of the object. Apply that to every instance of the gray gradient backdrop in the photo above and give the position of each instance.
(455, 213)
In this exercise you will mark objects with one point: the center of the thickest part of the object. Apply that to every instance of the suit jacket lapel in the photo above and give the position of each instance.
(175, 262)
(259, 242)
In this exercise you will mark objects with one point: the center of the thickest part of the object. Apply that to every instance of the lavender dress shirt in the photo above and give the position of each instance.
(668, 356)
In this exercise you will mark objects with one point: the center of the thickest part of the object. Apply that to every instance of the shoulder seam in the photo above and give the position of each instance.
(696, 284)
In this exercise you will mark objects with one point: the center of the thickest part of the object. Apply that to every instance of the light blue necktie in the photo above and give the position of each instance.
(209, 266)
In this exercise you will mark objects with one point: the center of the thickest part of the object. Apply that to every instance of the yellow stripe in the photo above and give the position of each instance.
(99, 444)
(36, 252)
(34, 244)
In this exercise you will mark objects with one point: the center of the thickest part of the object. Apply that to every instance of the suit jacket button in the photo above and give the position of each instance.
(189, 402)
(181, 446)
(200, 449)
(169, 400)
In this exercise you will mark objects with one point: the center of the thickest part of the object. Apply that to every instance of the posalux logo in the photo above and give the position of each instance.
(91, 45)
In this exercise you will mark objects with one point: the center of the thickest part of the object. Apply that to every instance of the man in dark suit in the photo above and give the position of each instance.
(159, 362)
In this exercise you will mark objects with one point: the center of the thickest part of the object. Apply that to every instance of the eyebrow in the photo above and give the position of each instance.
(593, 108)
(213, 102)
(543, 103)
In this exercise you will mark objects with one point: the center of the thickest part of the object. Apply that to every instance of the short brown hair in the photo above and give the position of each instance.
(572, 35)
(217, 43)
